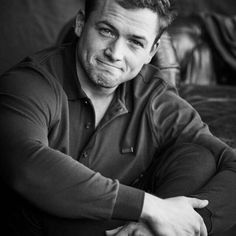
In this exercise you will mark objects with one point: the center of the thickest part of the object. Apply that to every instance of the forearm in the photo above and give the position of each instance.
(56, 183)
(61, 186)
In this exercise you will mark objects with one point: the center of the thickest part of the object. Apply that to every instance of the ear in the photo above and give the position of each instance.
(153, 51)
(79, 22)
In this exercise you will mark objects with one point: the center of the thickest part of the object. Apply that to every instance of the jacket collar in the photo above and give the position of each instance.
(71, 83)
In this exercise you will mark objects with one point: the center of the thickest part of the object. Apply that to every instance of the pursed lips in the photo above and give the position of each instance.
(108, 64)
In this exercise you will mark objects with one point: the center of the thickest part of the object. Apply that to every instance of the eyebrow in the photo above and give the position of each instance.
(106, 23)
(132, 35)
(139, 38)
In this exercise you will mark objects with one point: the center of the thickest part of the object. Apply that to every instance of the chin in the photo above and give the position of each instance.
(106, 81)
(106, 84)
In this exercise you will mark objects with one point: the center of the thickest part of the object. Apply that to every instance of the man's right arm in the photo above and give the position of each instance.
(47, 177)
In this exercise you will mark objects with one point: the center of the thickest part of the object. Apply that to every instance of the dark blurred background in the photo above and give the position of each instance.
(31, 25)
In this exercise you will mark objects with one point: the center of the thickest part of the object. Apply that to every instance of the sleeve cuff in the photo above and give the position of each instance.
(129, 203)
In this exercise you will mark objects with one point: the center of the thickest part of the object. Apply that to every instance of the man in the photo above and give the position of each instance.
(81, 124)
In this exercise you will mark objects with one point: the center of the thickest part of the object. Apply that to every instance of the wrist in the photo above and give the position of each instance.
(148, 212)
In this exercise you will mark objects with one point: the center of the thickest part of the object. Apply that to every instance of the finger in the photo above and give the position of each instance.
(203, 229)
(129, 229)
(113, 231)
(197, 203)
(124, 231)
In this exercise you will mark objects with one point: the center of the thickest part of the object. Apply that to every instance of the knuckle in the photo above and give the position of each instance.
(133, 225)
(185, 199)
(197, 230)
(137, 233)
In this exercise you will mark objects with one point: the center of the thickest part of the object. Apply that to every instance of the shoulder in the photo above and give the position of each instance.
(53, 63)
(33, 82)
(159, 96)
(37, 74)
(150, 83)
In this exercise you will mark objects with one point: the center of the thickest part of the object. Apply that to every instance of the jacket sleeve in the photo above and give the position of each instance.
(176, 122)
(49, 178)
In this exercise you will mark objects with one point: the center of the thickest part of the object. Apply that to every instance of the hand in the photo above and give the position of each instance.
(132, 228)
(174, 216)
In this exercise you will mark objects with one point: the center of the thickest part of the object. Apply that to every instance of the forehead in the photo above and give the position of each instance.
(144, 20)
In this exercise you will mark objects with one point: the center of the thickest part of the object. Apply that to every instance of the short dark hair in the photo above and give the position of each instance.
(164, 8)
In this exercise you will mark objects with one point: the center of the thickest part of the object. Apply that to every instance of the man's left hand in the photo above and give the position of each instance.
(132, 228)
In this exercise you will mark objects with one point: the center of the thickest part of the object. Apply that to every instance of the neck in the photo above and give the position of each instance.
(100, 98)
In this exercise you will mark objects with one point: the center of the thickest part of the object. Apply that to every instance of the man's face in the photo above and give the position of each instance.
(115, 43)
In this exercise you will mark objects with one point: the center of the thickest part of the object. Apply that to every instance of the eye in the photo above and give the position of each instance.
(136, 43)
(107, 32)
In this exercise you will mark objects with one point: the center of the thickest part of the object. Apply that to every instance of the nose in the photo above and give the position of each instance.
(115, 50)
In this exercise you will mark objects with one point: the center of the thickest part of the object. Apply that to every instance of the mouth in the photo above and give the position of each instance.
(107, 64)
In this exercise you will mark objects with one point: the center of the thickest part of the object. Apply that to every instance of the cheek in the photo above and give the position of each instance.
(88, 56)
(90, 47)
(136, 63)
(95, 50)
